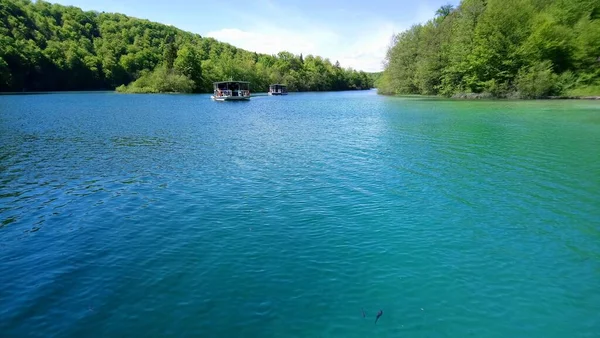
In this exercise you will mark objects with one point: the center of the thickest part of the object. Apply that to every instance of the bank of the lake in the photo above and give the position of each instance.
(530, 49)
(489, 97)
(173, 215)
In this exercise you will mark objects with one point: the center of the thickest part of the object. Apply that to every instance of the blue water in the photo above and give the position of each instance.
(172, 215)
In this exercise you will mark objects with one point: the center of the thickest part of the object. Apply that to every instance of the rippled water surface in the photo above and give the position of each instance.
(172, 215)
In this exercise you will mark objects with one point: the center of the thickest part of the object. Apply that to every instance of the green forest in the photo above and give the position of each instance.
(49, 47)
(499, 48)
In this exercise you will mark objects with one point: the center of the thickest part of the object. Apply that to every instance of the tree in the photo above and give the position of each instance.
(444, 11)
(5, 76)
(537, 81)
(170, 52)
(498, 47)
(188, 63)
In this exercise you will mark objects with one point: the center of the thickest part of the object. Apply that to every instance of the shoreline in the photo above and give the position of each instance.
(102, 91)
(573, 97)
(488, 97)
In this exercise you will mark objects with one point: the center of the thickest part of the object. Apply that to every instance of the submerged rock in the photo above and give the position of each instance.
(472, 96)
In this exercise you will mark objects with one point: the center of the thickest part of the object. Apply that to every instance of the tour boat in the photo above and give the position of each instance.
(278, 89)
(231, 91)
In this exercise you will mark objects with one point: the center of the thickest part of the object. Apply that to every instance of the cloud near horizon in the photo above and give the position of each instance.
(366, 52)
(355, 39)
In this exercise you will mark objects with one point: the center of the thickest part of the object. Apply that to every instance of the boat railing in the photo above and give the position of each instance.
(222, 92)
(229, 92)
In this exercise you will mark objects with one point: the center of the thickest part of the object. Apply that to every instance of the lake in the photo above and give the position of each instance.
(172, 215)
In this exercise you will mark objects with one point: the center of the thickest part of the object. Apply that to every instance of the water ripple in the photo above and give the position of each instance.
(171, 215)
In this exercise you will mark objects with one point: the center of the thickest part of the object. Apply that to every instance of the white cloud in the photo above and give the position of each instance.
(369, 49)
(361, 46)
(366, 52)
(269, 41)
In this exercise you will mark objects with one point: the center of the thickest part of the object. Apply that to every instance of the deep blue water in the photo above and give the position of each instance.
(172, 215)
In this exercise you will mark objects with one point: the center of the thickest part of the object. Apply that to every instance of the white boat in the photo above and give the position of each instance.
(278, 89)
(231, 91)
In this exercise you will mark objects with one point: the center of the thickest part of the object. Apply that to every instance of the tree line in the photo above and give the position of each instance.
(499, 48)
(50, 47)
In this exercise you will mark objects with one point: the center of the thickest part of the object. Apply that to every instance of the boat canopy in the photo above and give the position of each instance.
(230, 82)
(232, 85)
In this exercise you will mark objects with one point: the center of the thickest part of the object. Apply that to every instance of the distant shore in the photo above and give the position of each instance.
(258, 93)
(487, 96)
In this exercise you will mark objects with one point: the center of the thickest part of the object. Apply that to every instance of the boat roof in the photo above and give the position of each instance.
(231, 82)
(279, 84)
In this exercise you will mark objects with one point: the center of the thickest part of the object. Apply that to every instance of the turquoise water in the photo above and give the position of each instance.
(172, 215)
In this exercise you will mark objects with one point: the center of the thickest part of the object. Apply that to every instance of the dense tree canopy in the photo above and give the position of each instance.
(47, 46)
(525, 48)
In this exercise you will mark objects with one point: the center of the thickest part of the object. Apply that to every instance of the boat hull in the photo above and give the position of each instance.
(277, 94)
(230, 98)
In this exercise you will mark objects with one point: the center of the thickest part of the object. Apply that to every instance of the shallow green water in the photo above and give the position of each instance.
(169, 215)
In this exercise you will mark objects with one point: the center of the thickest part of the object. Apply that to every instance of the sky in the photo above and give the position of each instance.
(354, 32)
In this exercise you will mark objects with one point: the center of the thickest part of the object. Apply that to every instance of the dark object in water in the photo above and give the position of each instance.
(363, 312)
(379, 314)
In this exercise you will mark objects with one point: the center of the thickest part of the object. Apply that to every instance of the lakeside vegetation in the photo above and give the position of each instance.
(499, 48)
(50, 47)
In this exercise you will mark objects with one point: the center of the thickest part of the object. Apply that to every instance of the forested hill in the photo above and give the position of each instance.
(502, 48)
(49, 47)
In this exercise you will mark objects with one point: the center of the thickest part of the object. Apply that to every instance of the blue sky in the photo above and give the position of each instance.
(354, 32)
